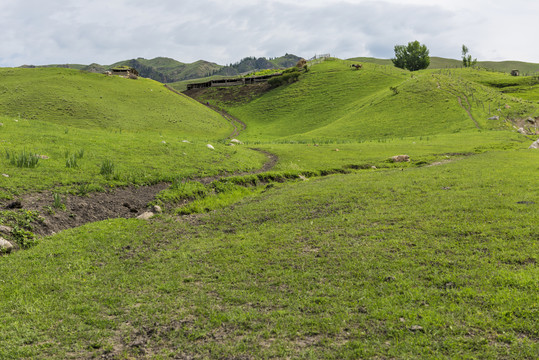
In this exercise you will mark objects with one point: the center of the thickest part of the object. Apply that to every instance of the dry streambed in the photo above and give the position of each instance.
(124, 202)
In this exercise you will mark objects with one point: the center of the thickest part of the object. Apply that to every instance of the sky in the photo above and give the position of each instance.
(37, 32)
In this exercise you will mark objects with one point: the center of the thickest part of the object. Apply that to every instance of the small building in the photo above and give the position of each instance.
(123, 71)
(515, 72)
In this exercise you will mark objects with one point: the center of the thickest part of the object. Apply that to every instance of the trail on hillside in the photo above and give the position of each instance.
(468, 109)
(235, 122)
(123, 202)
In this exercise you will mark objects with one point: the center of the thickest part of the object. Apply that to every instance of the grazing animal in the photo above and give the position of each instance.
(357, 66)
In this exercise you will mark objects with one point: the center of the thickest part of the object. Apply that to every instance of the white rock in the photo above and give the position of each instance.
(209, 146)
(186, 141)
(494, 117)
(5, 246)
(5, 175)
(163, 142)
(5, 229)
(521, 131)
(157, 209)
(535, 145)
(236, 141)
(145, 216)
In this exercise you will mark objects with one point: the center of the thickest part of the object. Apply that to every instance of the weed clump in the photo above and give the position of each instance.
(107, 168)
(23, 159)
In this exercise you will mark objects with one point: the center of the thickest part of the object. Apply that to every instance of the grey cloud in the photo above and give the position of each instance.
(102, 31)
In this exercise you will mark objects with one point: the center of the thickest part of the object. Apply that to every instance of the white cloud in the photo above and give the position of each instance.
(60, 31)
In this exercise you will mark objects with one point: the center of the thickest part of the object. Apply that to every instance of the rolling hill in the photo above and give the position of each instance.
(167, 70)
(332, 102)
(309, 240)
(525, 68)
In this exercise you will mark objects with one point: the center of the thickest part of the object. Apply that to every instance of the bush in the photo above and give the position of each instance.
(289, 76)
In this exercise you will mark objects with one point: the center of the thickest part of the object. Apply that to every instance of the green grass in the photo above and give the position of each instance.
(89, 101)
(138, 157)
(336, 253)
(332, 102)
(525, 68)
(340, 267)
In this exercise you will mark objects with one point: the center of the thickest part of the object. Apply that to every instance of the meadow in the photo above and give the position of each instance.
(335, 252)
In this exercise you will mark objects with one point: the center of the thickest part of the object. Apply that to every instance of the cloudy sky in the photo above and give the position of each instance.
(105, 31)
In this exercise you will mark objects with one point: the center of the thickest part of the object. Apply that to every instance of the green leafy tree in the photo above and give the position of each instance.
(413, 56)
(466, 58)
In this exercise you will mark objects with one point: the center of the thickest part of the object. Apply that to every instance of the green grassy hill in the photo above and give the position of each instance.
(525, 68)
(338, 252)
(334, 102)
(87, 100)
(139, 125)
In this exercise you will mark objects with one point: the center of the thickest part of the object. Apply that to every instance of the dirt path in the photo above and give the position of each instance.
(468, 110)
(236, 123)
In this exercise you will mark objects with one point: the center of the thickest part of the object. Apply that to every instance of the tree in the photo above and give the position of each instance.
(467, 59)
(414, 56)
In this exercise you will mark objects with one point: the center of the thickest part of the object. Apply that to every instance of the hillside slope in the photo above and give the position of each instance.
(332, 101)
(86, 100)
(525, 68)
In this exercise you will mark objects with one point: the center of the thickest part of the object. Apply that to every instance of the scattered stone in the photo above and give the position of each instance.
(146, 215)
(5, 229)
(389, 278)
(449, 285)
(337, 150)
(416, 328)
(231, 144)
(526, 202)
(186, 141)
(236, 141)
(209, 146)
(44, 157)
(5, 246)
(5, 175)
(402, 320)
(163, 142)
(530, 120)
(373, 167)
(303, 178)
(1, 124)
(401, 158)
(494, 117)
(535, 145)
(521, 131)
(446, 188)
(157, 209)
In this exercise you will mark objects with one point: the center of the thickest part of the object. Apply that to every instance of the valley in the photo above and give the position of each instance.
(282, 224)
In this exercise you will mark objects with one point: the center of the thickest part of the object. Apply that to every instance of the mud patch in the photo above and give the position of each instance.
(125, 202)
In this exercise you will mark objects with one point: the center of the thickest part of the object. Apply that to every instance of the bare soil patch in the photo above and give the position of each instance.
(124, 202)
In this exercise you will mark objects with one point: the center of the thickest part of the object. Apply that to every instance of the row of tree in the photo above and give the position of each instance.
(415, 56)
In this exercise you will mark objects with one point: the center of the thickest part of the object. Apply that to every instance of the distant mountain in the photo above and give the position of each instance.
(167, 70)
(252, 64)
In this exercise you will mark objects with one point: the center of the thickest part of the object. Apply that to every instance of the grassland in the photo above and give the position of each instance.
(525, 68)
(337, 253)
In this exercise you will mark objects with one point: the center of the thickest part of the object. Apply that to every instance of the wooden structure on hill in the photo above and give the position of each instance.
(232, 81)
(123, 71)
